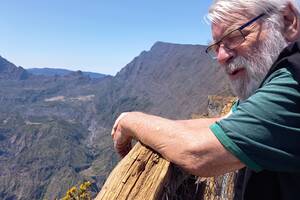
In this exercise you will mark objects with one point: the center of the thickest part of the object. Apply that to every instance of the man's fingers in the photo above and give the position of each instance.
(122, 148)
(122, 142)
(116, 123)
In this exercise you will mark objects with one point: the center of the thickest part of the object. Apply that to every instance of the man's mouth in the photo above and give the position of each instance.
(234, 74)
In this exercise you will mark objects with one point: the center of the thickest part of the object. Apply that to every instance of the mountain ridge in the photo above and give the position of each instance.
(47, 71)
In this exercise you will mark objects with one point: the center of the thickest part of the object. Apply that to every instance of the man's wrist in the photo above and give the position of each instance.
(128, 123)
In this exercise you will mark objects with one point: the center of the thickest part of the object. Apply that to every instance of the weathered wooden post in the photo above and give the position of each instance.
(140, 175)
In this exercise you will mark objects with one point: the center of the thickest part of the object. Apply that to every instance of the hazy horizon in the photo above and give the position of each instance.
(98, 36)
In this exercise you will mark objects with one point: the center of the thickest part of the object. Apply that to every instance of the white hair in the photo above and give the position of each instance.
(260, 59)
(227, 10)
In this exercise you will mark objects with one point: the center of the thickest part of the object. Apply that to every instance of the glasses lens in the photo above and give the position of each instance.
(233, 39)
(230, 41)
(212, 51)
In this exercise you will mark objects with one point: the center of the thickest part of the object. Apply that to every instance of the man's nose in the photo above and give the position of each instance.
(224, 55)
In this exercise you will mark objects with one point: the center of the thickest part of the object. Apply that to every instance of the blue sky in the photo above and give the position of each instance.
(95, 35)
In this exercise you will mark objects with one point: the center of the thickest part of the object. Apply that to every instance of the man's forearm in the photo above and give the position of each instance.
(174, 140)
(199, 123)
(158, 133)
(189, 144)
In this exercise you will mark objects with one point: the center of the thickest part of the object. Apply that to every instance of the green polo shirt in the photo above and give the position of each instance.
(263, 132)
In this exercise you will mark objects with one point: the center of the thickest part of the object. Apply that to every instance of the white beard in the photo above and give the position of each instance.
(257, 64)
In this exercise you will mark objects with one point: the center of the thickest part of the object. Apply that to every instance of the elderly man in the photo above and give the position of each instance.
(255, 42)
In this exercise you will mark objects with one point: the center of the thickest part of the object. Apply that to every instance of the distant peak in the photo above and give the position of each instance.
(163, 45)
(160, 44)
(9, 70)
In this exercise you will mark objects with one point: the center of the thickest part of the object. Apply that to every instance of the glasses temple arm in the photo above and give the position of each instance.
(251, 21)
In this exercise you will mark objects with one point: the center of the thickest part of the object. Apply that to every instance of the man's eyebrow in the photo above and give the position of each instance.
(227, 30)
(230, 29)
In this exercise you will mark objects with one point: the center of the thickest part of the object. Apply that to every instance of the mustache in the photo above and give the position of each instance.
(237, 63)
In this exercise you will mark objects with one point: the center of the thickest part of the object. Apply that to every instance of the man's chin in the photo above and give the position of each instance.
(239, 89)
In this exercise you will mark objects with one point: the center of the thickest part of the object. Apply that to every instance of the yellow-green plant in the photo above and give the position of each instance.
(81, 193)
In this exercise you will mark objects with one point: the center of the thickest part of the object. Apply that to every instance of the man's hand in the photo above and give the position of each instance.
(121, 138)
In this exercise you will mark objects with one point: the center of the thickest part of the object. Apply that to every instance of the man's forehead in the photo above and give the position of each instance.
(217, 30)
(221, 28)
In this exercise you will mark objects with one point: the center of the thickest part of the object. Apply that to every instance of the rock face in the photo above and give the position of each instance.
(10, 71)
(55, 131)
(175, 79)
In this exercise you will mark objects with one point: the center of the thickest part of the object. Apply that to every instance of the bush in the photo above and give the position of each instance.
(81, 193)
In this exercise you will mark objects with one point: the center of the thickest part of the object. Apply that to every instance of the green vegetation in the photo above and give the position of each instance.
(81, 193)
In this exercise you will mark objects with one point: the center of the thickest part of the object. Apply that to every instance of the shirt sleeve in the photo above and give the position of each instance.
(264, 131)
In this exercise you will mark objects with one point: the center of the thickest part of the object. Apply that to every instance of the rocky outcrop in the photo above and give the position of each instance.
(11, 72)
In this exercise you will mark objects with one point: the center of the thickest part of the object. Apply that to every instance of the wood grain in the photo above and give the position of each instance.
(142, 174)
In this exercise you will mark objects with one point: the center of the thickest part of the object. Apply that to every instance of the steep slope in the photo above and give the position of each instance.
(46, 135)
(171, 80)
(10, 71)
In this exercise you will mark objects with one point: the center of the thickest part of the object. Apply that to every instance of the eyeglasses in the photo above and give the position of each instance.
(231, 40)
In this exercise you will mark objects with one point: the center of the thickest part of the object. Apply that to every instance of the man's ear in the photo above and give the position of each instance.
(291, 30)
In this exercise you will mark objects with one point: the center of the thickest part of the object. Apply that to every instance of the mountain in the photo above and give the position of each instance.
(55, 130)
(9, 71)
(61, 72)
(173, 79)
